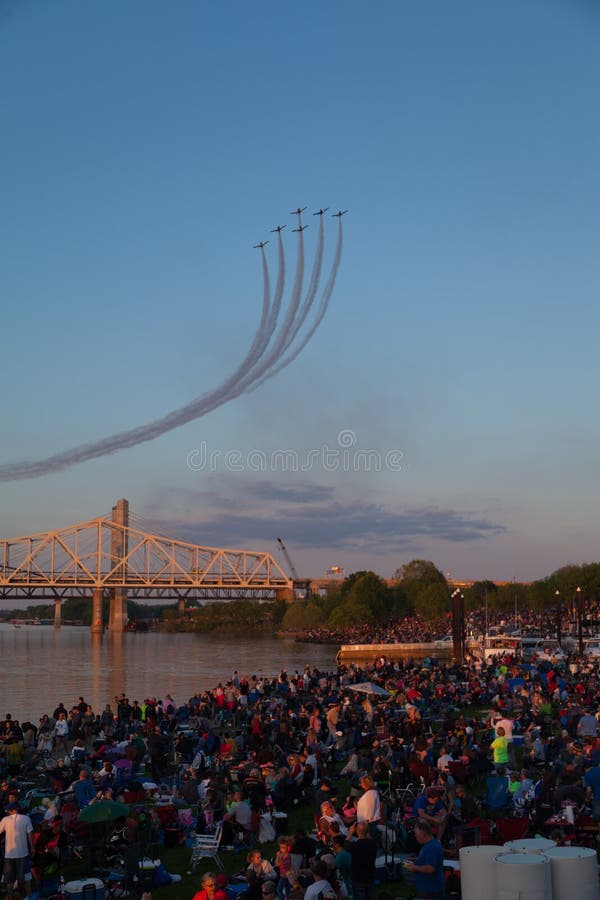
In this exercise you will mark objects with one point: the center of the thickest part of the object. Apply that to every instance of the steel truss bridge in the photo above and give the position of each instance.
(107, 555)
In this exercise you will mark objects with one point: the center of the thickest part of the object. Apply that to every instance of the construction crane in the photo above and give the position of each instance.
(300, 584)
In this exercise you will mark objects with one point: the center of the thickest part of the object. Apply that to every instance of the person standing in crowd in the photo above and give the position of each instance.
(428, 867)
(18, 835)
(368, 808)
(363, 852)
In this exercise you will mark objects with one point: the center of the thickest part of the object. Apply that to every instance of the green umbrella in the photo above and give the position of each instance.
(103, 811)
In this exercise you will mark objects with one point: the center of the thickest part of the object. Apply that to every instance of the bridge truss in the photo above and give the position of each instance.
(104, 555)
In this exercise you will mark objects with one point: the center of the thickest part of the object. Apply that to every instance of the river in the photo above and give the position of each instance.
(41, 665)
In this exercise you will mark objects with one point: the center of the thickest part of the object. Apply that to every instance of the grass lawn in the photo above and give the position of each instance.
(177, 861)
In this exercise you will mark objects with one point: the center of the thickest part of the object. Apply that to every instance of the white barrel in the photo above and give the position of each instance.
(574, 873)
(535, 845)
(523, 876)
(477, 872)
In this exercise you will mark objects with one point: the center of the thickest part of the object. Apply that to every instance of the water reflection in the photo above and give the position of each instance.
(40, 665)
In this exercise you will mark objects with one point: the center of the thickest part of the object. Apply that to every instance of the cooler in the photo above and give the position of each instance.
(86, 889)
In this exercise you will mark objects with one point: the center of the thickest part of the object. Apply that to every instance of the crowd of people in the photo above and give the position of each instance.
(423, 752)
(415, 629)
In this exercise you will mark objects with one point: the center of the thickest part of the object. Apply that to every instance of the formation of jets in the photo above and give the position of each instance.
(298, 212)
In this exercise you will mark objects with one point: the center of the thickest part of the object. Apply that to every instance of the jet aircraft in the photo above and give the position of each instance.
(338, 215)
(260, 245)
(279, 229)
(321, 212)
(300, 228)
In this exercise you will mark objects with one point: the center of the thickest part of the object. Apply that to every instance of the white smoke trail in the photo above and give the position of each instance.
(304, 309)
(124, 439)
(278, 287)
(253, 367)
(322, 309)
(286, 326)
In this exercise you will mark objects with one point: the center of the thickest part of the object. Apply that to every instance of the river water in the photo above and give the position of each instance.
(41, 665)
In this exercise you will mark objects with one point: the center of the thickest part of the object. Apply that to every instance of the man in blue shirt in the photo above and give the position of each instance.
(591, 782)
(84, 789)
(430, 809)
(428, 868)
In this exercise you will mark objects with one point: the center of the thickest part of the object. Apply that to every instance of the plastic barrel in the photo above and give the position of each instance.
(477, 872)
(535, 845)
(574, 873)
(523, 876)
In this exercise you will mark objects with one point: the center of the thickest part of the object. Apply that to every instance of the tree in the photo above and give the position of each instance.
(510, 596)
(305, 614)
(364, 598)
(480, 595)
(349, 582)
(415, 578)
(419, 570)
(432, 601)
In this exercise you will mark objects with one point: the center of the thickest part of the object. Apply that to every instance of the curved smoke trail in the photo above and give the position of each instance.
(252, 368)
(312, 288)
(266, 328)
(322, 309)
(261, 370)
(124, 439)
(304, 309)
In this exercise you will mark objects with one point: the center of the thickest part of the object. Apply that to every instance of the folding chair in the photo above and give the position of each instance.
(207, 847)
(509, 829)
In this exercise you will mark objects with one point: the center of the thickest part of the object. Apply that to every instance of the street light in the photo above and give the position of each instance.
(458, 625)
(580, 620)
(558, 635)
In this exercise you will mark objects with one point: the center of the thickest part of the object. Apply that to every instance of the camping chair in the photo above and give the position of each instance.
(498, 797)
(510, 829)
(206, 846)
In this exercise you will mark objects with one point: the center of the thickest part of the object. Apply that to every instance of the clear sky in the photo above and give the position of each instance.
(146, 147)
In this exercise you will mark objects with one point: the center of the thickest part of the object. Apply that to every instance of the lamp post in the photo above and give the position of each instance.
(580, 604)
(486, 615)
(558, 623)
(458, 625)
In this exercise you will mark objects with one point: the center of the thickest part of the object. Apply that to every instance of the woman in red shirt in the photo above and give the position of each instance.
(209, 889)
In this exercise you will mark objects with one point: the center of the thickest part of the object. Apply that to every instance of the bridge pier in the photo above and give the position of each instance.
(57, 613)
(118, 619)
(286, 594)
(181, 607)
(97, 626)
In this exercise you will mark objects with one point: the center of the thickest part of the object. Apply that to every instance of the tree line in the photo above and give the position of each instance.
(418, 588)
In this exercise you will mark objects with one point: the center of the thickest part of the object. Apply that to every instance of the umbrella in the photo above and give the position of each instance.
(103, 811)
(369, 687)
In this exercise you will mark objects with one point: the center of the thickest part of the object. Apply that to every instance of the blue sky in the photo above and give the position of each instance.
(147, 146)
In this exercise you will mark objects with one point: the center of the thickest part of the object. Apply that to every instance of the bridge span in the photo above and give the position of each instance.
(106, 556)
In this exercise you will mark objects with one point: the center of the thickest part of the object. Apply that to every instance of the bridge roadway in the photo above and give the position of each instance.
(109, 556)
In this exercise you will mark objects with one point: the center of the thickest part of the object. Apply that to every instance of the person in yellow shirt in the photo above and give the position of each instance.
(500, 747)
